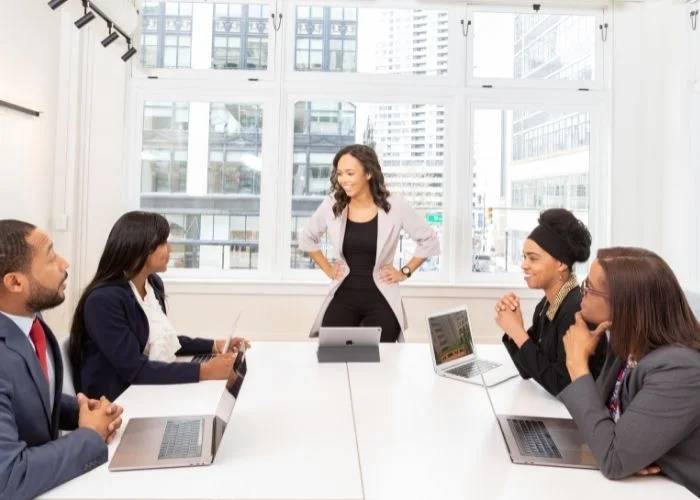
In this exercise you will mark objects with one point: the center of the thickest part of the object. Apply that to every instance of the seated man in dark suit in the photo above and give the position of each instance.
(33, 459)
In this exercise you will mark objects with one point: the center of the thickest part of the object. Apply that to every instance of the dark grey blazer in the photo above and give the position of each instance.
(660, 422)
(33, 459)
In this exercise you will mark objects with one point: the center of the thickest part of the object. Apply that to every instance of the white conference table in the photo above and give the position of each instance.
(303, 430)
(290, 435)
(421, 436)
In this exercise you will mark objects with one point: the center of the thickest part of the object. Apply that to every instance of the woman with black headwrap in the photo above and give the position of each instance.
(549, 253)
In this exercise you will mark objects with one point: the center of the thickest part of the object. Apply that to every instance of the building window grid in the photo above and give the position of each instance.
(536, 48)
(188, 238)
(326, 39)
(558, 191)
(228, 172)
(568, 133)
(164, 150)
(166, 35)
(240, 36)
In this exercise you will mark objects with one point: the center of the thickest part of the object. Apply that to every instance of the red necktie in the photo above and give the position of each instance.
(39, 339)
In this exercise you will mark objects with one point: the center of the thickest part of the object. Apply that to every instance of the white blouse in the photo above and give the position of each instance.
(162, 339)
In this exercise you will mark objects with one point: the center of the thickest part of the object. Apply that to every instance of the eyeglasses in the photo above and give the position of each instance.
(586, 289)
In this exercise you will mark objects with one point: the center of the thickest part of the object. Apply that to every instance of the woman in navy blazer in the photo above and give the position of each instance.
(110, 331)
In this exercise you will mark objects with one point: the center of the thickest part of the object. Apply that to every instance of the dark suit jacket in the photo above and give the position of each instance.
(543, 357)
(660, 422)
(117, 334)
(33, 459)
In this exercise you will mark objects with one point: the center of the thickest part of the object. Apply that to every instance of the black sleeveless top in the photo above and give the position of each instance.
(360, 252)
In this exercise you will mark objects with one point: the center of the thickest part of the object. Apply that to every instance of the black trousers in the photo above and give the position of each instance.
(367, 307)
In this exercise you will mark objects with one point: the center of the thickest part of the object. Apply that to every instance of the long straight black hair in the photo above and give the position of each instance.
(134, 237)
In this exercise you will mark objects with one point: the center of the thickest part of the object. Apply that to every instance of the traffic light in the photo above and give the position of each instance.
(489, 215)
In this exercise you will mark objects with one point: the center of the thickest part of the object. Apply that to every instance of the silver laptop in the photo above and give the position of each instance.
(203, 358)
(188, 441)
(339, 336)
(452, 349)
(543, 441)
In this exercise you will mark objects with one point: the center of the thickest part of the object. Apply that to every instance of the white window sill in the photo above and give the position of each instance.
(187, 286)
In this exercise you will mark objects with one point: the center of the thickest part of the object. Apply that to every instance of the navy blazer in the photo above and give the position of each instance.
(117, 334)
(33, 459)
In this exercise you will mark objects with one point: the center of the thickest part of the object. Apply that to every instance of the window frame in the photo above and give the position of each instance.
(600, 66)
(455, 49)
(140, 72)
(143, 92)
(278, 93)
(598, 172)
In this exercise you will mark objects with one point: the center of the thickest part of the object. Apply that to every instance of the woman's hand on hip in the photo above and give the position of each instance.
(389, 274)
(338, 270)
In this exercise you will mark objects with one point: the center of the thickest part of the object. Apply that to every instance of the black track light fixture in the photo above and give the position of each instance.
(91, 11)
(129, 53)
(55, 4)
(87, 17)
(113, 35)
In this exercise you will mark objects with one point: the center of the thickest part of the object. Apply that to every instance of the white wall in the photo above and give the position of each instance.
(654, 172)
(679, 209)
(55, 167)
(29, 76)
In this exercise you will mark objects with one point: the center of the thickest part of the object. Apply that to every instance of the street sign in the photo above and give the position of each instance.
(434, 217)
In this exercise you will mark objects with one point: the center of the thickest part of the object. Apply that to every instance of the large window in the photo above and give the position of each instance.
(481, 116)
(514, 179)
(534, 46)
(208, 157)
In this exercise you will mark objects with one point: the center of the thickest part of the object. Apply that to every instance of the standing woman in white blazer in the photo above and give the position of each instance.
(364, 222)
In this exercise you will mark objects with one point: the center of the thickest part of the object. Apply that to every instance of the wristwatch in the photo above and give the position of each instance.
(406, 271)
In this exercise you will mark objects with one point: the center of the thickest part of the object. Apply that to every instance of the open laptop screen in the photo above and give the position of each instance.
(450, 336)
(233, 385)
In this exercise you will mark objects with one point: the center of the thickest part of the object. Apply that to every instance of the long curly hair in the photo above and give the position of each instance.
(369, 161)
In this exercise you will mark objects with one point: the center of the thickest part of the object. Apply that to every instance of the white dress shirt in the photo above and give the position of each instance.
(25, 324)
(162, 336)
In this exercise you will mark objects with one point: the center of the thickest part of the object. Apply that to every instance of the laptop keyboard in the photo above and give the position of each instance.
(201, 358)
(181, 439)
(533, 439)
(474, 368)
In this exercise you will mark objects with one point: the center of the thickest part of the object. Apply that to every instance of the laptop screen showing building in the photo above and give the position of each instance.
(451, 336)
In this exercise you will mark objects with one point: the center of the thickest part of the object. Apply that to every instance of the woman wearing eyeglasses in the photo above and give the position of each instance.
(558, 242)
(642, 415)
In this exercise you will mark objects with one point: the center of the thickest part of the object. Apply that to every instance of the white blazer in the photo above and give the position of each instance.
(389, 226)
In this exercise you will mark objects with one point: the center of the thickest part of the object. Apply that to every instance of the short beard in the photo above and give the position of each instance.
(42, 298)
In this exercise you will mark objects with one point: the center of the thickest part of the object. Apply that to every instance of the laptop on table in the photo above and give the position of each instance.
(187, 441)
(348, 344)
(203, 358)
(341, 336)
(547, 441)
(452, 349)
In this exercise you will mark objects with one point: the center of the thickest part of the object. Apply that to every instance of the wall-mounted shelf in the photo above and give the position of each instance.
(21, 109)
